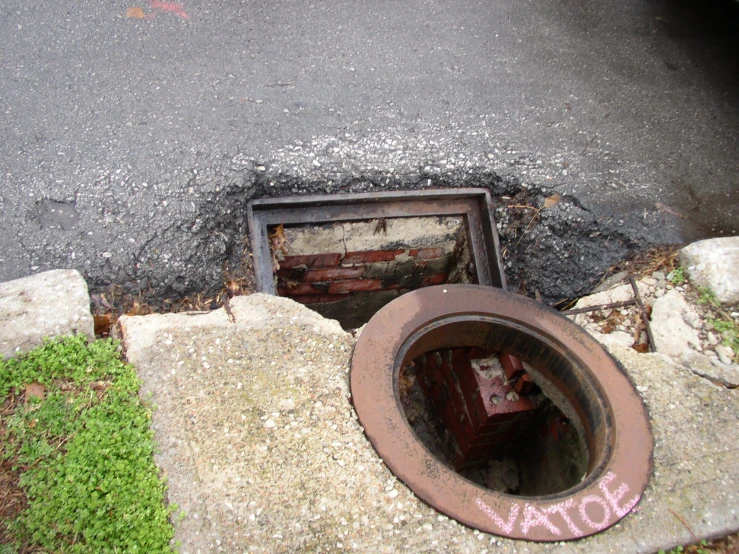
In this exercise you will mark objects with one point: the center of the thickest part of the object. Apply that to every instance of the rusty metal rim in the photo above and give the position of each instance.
(618, 435)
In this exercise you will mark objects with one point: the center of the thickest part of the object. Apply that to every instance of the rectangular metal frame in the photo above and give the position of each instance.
(474, 204)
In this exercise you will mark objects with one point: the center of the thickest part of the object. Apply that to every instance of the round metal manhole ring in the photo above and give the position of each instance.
(617, 431)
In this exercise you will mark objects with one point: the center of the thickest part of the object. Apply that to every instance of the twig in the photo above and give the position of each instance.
(589, 143)
(682, 520)
(600, 307)
(63, 442)
(227, 307)
(537, 211)
(644, 316)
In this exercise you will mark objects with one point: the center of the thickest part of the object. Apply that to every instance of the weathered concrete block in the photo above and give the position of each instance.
(714, 263)
(50, 304)
(672, 335)
(262, 449)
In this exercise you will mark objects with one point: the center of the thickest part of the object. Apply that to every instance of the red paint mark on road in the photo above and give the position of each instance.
(171, 7)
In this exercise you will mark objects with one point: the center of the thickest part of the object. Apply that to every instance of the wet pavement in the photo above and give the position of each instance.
(129, 145)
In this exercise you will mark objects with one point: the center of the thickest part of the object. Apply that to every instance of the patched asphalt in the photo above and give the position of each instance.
(129, 146)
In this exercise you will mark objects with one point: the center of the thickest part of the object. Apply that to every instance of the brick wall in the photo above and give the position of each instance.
(474, 394)
(330, 277)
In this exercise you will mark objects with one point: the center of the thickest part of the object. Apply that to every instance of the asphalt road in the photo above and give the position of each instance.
(129, 145)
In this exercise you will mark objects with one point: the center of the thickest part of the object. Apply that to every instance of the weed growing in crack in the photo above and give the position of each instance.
(677, 276)
(75, 433)
(730, 332)
(702, 547)
(707, 296)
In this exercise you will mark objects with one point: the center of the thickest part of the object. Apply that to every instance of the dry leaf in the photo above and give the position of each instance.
(135, 13)
(34, 389)
(661, 207)
(103, 323)
(551, 201)
(405, 381)
(277, 243)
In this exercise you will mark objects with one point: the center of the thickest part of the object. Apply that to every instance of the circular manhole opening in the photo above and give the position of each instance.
(566, 455)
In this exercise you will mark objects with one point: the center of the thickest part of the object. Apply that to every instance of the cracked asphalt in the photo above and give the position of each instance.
(129, 145)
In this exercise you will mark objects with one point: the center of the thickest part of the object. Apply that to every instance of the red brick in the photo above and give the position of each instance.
(480, 353)
(525, 385)
(438, 393)
(438, 390)
(370, 256)
(473, 455)
(503, 429)
(505, 406)
(426, 253)
(469, 388)
(357, 285)
(432, 381)
(481, 451)
(448, 369)
(437, 279)
(511, 365)
(501, 409)
(319, 298)
(299, 289)
(458, 425)
(503, 437)
(422, 373)
(312, 260)
(475, 403)
(293, 274)
(333, 274)
(458, 363)
(461, 399)
(458, 402)
(490, 388)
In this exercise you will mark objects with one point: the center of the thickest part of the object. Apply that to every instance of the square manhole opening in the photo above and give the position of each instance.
(346, 256)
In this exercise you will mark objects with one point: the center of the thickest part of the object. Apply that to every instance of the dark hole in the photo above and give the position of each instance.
(482, 413)
(348, 270)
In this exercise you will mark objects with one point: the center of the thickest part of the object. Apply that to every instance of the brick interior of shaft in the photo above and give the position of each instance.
(485, 417)
(349, 270)
(470, 392)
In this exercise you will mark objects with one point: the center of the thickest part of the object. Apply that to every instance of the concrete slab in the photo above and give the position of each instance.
(263, 451)
(49, 304)
(714, 263)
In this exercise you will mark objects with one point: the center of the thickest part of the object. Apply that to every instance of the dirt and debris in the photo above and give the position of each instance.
(553, 248)
(552, 244)
(724, 545)
(12, 498)
(623, 309)
(108, 305)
